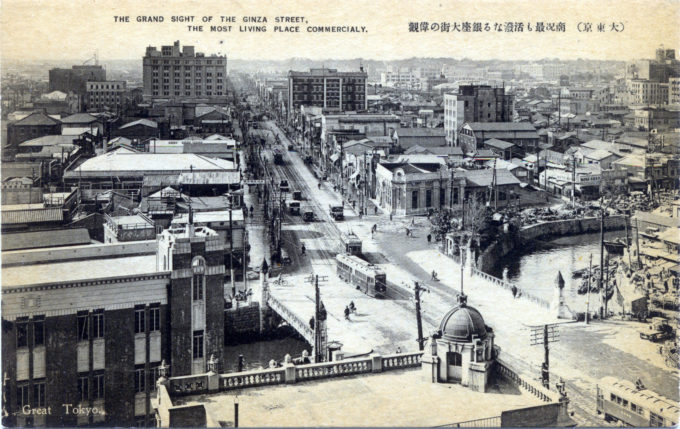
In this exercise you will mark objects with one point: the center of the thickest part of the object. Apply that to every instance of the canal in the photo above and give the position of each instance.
(534, 267)
(258, 353)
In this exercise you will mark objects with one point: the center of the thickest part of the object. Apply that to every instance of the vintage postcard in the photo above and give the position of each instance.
(360, 213)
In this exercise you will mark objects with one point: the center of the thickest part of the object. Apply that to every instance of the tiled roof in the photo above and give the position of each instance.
(14, 217)
(499, 144)
(51, 140)
(35, 119)
(79, 118)
(421, 132)
(144, 122)
(484, 178)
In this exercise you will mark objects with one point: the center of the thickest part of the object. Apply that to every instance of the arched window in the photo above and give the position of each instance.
(198, 279)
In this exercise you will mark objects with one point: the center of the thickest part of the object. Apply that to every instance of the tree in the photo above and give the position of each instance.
(441, 223)
(477, 216)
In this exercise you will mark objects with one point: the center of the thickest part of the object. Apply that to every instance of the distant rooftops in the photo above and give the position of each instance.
(326, 72)
(144, 122)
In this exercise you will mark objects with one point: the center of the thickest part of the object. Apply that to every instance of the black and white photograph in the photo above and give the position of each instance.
(366, 213)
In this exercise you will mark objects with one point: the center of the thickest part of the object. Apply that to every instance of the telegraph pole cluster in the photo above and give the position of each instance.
(543, 335)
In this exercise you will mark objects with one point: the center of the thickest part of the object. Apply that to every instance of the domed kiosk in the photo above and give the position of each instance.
(462, 350)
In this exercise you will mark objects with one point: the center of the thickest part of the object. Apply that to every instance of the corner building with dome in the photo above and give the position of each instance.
(462, 350)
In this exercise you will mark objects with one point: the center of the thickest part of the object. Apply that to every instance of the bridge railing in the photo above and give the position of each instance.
(526, 383)
(488, 422)
(333, 369)
(508, 286)
(263, 377)
(405, 360)
(211, 382)
(299, 325)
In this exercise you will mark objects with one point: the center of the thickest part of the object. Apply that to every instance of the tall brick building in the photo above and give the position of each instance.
(475, 103)
(329, 89)
(175, 73)
(96, 338)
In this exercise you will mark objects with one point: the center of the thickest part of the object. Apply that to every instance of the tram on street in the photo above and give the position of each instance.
(633, 405)
(368, 278)
(351, 242)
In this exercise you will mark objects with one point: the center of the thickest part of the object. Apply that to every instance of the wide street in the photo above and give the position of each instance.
(583, 355)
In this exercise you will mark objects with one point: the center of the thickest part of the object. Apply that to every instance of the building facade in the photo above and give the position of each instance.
(175, 73)
(475, 103)
(329, 89)
(97, 340)
(105, 95)
(75, 79)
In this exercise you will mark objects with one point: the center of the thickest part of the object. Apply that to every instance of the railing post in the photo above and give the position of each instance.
(289, 373)
(376, 362)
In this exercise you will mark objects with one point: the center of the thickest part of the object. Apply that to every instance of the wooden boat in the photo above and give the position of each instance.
(614, 247)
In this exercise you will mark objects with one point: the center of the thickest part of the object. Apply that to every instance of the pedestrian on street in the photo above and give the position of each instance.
(346, 313)
(304, 249)
(398, 350)
(390, 217)
(429, 238)
(375, 209)
(319, 185)
(408, 232)
(514, 291)
(251, 210)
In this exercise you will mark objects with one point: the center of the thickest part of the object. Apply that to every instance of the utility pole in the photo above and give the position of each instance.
(418, 289)
(637, 243)
(600, 282)
(231, 249)
(319, 317)
(544, 335)
(630, 263)
(235, 411)
(604, 291)
(495, 186)
(590, 275)
(573, 181)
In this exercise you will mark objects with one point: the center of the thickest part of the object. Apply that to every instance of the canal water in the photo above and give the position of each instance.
(259, 353)
(534, 267)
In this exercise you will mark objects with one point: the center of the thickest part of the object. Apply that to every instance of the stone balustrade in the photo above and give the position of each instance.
(508, 286)
(255, 378)
(526, 383)
(290, 373)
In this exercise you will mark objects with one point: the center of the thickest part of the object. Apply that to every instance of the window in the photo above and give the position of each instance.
(655, 420)
(155, 318)
(636, 408)
(22, 333)
(22, 395)
(83, 388)
(83, 328)
(98, 324)
(140, 385)
(39, 394)
(155, 375)
(140, 325)
(453, 359)
(98, 386)
(38, 332)
(198, 344)
(414, 199)
(428, 198)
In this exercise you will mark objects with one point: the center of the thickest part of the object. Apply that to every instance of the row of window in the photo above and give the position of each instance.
(624, 403)
(188, 93)
(188, 62)
(88, 325)
(141, 380)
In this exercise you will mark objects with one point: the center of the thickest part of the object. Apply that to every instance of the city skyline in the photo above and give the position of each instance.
(52, 40)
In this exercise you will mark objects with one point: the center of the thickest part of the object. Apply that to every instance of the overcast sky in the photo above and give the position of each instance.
(72, 29)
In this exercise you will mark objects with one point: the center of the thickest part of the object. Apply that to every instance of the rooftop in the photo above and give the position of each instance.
(144, 122)
(79, 118)
(359, 401)
(484, 178)
(53, 238)
(71, 271)
(50, 140)
(37, 119)
(501, 126)
(499, 144)
(119, 161)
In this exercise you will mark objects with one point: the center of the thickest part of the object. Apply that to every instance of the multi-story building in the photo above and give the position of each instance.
(475, 103)
(175, 73)
(408, 78)
(105, 95)
(329, 89)
(674, 90)
(96, 338)
(654, 118)
(75, 78)
(648, 91)
(35, 125)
